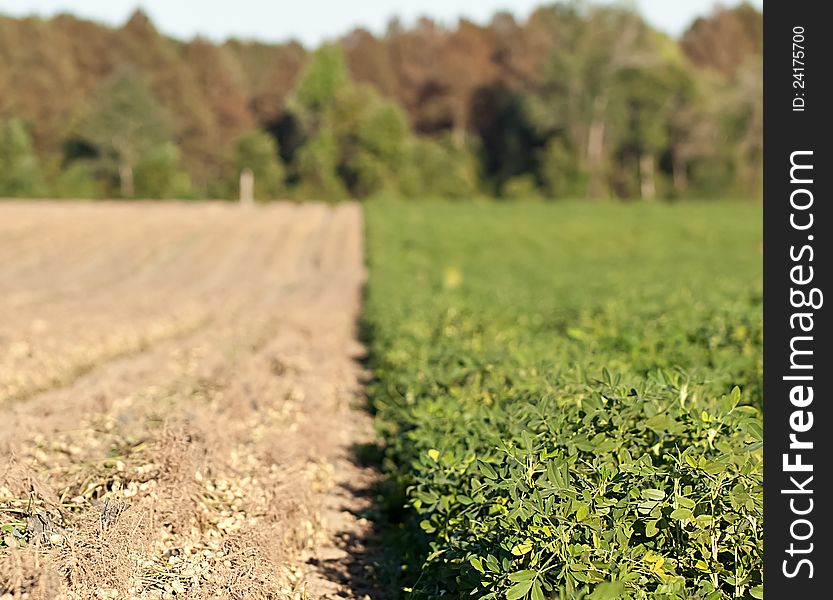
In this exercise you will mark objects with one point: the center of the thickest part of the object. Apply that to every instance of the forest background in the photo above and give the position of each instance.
(576, 101)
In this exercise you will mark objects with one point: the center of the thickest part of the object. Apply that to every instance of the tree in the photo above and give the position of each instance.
(317, 161)
(268, 74)
(159, 173)
(374, 150)
(219, 89)
(355, 140)
(324, 76)
(510, 136)
(19, 171)
(744, 127)
(592, 48)
(439, 169)
(559, 170)
(258, 151)
(726, 39)
(554, 96)
(639, 117)
(369, 61)
(317, 167)
(122, 125)
(77, 181)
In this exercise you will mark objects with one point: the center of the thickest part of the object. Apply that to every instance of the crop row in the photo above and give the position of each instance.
(570, 398)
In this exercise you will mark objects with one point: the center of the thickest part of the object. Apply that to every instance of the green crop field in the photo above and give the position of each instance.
(570, 397)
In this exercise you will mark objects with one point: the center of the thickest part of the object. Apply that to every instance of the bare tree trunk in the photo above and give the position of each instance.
(646, 177)
(595, 148)
(247, 187)
(126, 181)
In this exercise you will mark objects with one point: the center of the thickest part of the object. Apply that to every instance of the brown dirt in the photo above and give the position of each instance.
(179, 387)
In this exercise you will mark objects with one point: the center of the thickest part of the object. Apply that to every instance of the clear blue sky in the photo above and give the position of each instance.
(312, 21)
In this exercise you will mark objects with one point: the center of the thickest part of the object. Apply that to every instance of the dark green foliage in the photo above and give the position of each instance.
(120, 128)
(521, 187)
(373, 136)
(560, 171)
(258, 151)
(511, 133)
(19, 171)
(438, 169)
(316, 164)
(358, 144)
(380, 153)
(159, 174)
(324, 77)
(78, 181)
(570, 395)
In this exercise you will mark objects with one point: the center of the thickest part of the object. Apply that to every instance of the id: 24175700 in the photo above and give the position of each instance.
(798, 69)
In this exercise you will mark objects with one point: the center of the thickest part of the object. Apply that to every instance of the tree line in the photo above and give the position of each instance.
(576, 101)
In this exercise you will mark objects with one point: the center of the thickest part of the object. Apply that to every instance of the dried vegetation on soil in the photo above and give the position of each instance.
(178, 386)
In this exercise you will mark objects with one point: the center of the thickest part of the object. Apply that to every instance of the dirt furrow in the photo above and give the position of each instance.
(213, 462)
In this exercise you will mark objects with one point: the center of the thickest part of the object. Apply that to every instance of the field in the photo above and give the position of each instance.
(566, 397)
(176, 382)
(570, 397)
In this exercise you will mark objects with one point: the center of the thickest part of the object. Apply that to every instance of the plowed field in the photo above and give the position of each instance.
(178, 386)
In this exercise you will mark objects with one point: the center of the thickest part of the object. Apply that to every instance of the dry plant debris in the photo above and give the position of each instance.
(178, 385)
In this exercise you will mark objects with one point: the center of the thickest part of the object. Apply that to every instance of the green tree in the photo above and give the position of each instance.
(325, 74)
(317, 168)
(381, 141)
(77, 180)
(258, 151)
(638, 128)
(316, 162)
(355, 141)
(575, 99)
(559, 169)
(159, 174)
(19, 171)
(439, 169)
(521, 187)
(123, 125)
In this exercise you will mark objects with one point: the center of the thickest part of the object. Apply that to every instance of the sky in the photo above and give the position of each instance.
(314, 21)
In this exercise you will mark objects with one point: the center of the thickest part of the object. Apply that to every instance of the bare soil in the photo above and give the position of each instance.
(179, 390)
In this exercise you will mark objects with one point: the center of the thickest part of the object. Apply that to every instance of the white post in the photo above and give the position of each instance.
(247, 187)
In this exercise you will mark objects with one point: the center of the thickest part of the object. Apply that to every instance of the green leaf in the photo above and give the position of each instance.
(681, 514)
(653, 494)
(686, 502)
(537, 592)
(730, 402)
(757, 592)
(525, 575)
(519, 590)
(756, 430)
(426, 526)
(704, 521)
(475, 562)
(522, 548)
(486, 469)
(610, 590)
